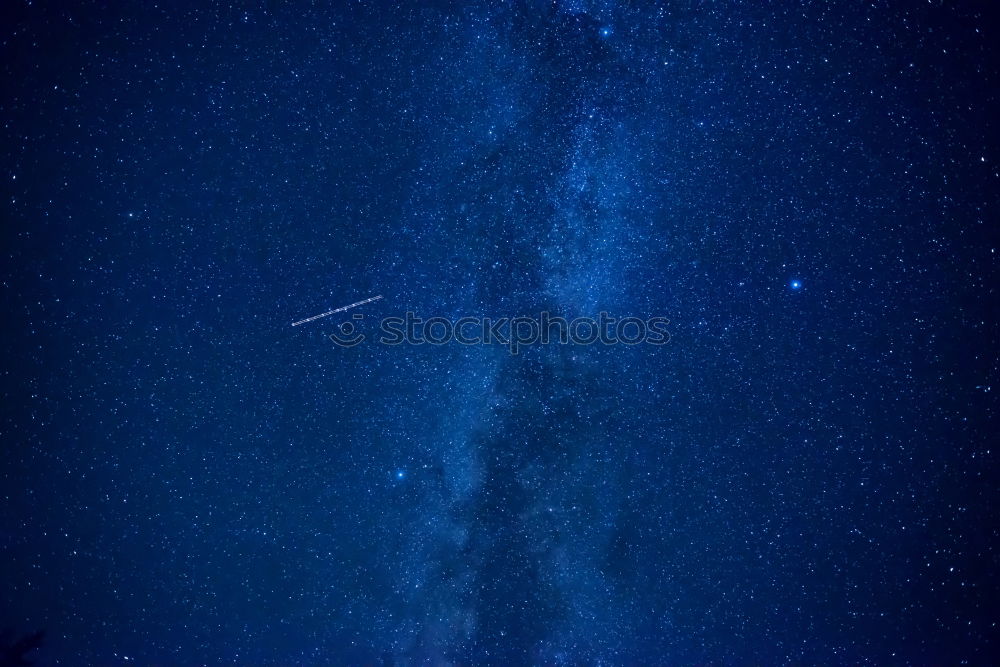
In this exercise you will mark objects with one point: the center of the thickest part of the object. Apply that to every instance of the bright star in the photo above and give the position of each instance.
(795, 284)
(605, 32)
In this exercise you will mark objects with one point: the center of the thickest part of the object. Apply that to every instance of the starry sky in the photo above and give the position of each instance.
(807, 473)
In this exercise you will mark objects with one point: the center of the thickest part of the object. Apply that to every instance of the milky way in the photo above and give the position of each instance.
(806, 473)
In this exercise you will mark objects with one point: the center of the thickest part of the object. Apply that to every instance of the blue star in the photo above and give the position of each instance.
(605, 32)
(795, 283)
(400, 474)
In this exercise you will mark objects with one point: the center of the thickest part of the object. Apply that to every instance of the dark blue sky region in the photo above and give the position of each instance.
(806, 473)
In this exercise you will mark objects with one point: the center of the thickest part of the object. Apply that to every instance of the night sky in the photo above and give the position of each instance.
(806, 473)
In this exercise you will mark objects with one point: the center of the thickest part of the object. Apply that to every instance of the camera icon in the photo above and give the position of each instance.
(347, 335)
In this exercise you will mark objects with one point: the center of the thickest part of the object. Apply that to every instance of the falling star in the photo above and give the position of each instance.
(337, 310)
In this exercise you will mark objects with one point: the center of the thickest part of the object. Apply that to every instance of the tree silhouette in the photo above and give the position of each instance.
(13, 652)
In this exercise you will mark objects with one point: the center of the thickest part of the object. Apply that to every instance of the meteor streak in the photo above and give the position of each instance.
(337, 310)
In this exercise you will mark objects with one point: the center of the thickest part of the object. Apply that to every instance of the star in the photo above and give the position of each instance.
(526, 170)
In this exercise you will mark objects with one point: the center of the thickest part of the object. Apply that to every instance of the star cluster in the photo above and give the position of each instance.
(804, 474)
